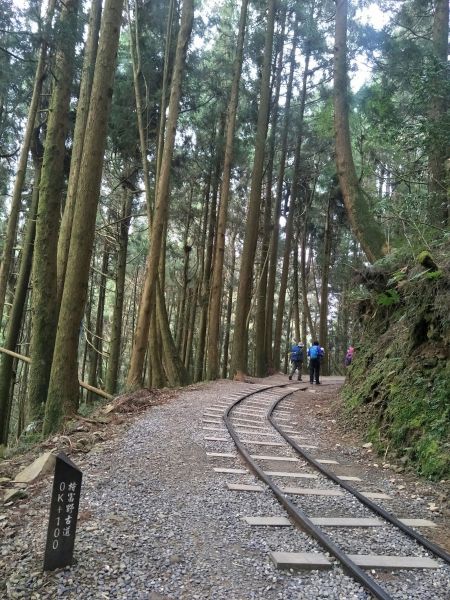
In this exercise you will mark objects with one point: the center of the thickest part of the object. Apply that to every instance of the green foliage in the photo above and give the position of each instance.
(388, 298)
(400, 376)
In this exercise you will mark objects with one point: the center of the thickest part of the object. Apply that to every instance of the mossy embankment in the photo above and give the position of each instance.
(399, 382)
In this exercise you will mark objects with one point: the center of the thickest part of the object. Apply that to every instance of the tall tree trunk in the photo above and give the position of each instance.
(227, 326)
(210, 256)
(295, 196)
(116, 326)
(87, 75)
(165, 86)
(182, 324)
(261, 356)
(295, 298)
(8, 246)
(156, 375)
(190, 334)
(216, 285)
(323, 318)
(16, 316)
(304, 278)
(287, 344)
(273, 251)
(97, 338)
(162, 200)
(362, 222)
(137, 75)
(239, 355)
(63, 389)
(45, 305)
(175, 370)
(203, 298)
(439, 209)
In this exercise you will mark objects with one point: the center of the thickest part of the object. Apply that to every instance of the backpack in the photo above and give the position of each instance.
(296, 354)
(314, 352)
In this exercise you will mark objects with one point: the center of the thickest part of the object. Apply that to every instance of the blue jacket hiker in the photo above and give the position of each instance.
(296, 359)
(315, 353)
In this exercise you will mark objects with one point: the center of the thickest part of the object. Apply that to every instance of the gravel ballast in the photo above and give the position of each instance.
(156, 522)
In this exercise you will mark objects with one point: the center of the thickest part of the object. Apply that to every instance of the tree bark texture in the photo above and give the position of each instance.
(8, 247)
(293, 207)
(203, 303)
(63, 390)
(239, 354)
(116, 325)
(217, 275)
(87, 75)
(227, 326)
(95, 365)
(363, 224)
(162, 200)
(45, 305)
(261, 357)
(17, 310)
(273, 251)
(323, 317)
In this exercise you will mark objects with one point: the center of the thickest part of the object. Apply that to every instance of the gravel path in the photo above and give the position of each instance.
(157, 523)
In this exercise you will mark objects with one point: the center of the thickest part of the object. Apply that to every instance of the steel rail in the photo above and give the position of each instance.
(431, 546)
(298, 516)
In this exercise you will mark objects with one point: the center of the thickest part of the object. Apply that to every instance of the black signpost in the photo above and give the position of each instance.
(63, 514)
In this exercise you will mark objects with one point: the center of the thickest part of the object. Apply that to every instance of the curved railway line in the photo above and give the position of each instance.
(257, 418)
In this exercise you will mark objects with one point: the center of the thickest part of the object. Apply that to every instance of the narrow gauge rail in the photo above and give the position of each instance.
(299, 516)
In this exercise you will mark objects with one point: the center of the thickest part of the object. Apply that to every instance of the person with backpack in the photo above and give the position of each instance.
(349, 356)
(296, 360)
(315, 353)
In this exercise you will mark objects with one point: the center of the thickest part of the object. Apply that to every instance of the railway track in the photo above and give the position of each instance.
(258, 418)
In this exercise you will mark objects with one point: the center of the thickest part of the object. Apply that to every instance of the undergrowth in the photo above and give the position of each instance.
(399, 382)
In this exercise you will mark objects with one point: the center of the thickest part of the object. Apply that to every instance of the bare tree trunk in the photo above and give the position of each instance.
(287, 344)
(63, 389)
(295, 298)
(304, 278)
(8, 247)
(162, 200)
(239, 355)
(156, 376)
(181, 326)
(116, 327)
(203, 298)
(290, 221)
(362, 222)
(87, 75)
(216, 285)
(261, 356)
(323, 318)
(17, 311)
(227, 327)
(97, 338)
(175, 371)
(273, 252)
(190, 335)
(165, 86)
(45, 304)
(210, 256)
(439, 209)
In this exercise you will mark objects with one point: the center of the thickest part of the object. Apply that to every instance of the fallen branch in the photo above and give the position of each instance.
(82, 384)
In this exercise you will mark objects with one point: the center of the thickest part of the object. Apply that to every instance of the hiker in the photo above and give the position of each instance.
(315, 353)
(296, 359)
(349, 356)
